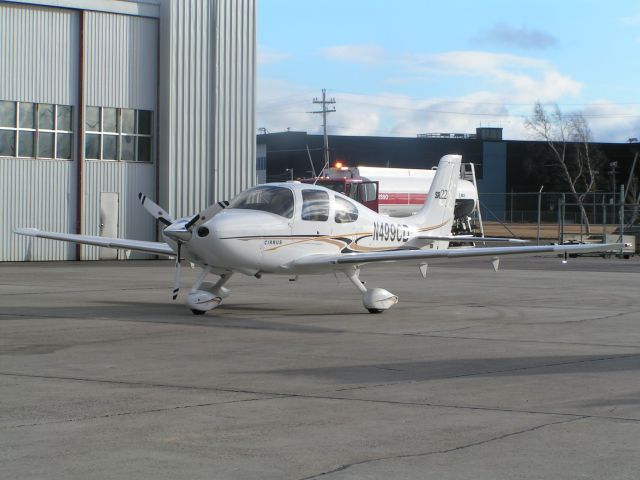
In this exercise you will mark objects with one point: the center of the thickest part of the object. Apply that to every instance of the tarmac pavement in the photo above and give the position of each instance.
(528, 373)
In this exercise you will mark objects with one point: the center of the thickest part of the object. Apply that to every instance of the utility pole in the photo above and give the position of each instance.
(324, 102)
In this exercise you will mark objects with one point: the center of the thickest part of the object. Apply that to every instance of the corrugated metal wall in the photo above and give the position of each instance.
(120, 70)
(234, 131)
(39, 54)
(205, 119)
(120, 60)
(126, 178)
(184, 108)
(39, 60)
(36, 193)
(207, 90)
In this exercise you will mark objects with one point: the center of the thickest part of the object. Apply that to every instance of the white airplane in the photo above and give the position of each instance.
(294, 229)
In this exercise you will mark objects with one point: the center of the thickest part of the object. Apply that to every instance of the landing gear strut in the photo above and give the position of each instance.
(375, 300)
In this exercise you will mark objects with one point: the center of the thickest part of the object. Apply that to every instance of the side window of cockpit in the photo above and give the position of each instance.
(346, 212)
(315, 205)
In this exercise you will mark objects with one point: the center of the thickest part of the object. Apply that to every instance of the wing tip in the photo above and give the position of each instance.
(26, 231)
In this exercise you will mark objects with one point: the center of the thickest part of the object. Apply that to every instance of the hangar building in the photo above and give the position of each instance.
(102, 99)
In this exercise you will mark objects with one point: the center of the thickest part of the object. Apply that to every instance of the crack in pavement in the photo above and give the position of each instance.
(324, 396)
(510, 340)
(138, 412)
(93, 290)
(344, 467)
(582, 320)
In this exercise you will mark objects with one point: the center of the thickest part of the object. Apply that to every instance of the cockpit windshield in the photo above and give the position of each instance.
(278, 200)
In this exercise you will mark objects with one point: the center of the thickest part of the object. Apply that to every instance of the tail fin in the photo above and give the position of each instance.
(436, 215)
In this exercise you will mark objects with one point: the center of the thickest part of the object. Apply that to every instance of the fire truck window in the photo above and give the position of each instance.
(315, 205)
(346, 212)
(370, 192)
(336, 187)
(354, 192)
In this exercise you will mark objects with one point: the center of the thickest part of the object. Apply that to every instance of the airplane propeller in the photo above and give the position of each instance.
(180, 232)
(155, 210)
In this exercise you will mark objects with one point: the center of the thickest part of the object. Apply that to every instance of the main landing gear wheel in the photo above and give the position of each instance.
(198, 312)
(375, 300)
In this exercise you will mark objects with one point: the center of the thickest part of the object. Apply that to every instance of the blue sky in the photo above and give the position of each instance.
(407, 67)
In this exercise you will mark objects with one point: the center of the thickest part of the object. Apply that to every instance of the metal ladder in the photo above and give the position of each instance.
(475, 220)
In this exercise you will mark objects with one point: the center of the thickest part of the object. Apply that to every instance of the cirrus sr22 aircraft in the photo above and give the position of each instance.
(297, 229)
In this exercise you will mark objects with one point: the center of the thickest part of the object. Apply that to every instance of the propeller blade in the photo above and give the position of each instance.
(176, 278)
(191, 222)
(155, 210)
(212, 210)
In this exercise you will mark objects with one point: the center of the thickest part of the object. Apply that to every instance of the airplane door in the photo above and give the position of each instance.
(108, 223)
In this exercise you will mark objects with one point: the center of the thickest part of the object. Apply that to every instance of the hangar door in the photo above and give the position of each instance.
(119, 128)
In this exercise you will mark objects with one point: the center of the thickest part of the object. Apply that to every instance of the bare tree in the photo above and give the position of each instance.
(568, 138)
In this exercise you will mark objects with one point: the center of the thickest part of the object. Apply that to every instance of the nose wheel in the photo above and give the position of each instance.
(206, 296)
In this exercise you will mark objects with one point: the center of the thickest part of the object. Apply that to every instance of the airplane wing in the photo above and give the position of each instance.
(158, 248)
(318, 262)
(469, 239)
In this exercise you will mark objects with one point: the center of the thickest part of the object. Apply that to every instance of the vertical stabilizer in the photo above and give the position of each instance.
(436, 215)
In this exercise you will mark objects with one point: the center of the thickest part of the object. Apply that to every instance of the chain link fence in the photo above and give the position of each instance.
(557, 215)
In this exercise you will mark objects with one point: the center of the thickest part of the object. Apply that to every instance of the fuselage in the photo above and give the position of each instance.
(269, 226)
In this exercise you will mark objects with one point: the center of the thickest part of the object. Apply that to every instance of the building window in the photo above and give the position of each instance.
(118, 134)
(35, 130)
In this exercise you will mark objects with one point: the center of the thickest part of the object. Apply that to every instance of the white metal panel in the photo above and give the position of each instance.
(108, 223)
(120, 66)
(120, 61)
(184, 109)
(41, 194)
(206, 111)
(234, 102)
(128, 179)
(146, 8)
(39, 54)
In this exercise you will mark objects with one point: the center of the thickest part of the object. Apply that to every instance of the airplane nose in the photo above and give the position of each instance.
(178, 234)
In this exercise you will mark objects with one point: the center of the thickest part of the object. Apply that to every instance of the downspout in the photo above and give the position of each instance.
(80, 139)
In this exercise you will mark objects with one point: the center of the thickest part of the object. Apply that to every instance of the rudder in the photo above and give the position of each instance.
(436, 215)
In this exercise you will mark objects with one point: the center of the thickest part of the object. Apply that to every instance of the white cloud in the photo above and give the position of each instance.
(507, 86)
(528, 78)
(268, 55)
(632, 20)
(611, 122)
(368, 54)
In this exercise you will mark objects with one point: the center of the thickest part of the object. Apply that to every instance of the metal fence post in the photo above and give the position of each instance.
(621, 213)
(539, 214)
(604, 219)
